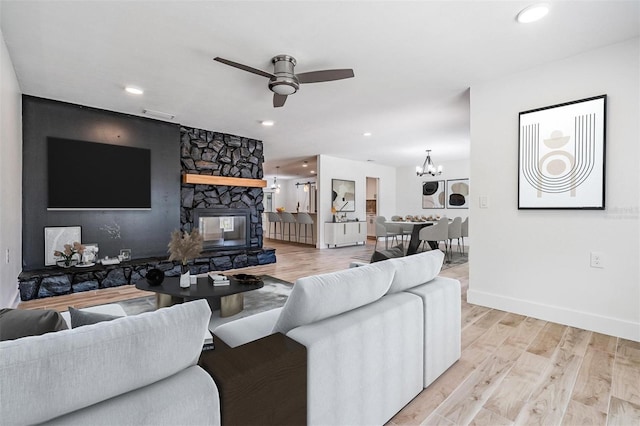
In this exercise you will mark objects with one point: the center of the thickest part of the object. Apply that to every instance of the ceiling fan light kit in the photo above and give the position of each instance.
(284, 82)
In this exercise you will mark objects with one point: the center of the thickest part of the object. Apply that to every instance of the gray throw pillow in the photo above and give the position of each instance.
(80, 318)
(393, 252)
(17, 323)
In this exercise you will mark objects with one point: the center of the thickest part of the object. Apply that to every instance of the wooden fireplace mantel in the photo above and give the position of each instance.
(223, 180)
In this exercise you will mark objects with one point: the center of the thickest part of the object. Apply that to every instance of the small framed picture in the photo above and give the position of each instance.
(125, 254)
(90, 253)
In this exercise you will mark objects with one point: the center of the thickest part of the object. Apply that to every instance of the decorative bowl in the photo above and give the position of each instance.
(247, 279)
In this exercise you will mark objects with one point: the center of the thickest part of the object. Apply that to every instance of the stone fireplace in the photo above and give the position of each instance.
(223, 229)
(224, 211)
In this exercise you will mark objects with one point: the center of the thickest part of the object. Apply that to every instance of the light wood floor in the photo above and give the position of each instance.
(514, 370)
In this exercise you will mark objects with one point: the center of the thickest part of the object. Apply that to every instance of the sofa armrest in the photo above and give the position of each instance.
(247, 329)
(262, 382)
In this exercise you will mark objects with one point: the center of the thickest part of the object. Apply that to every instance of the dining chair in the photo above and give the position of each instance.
(404, 230)
(386, 230)
(304, 219)
(464, 231)
(274, 219)
(455, 232)
(288, 218)
(437, 232)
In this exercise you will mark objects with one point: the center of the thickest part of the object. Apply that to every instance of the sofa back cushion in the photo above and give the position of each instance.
(322, 296)
(415, 269)
(47, 376)
(17, 323)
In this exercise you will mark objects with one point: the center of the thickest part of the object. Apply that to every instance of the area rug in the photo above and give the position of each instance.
(273, 295)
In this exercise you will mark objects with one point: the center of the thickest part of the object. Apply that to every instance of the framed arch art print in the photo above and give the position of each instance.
(561, 156)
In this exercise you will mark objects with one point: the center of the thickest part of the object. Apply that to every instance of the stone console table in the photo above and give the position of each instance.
(55, 281)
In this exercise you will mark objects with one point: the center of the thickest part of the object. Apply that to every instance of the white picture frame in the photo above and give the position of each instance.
(55, 237)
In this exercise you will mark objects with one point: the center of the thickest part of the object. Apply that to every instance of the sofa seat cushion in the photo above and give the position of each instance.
(415, 269)
(17, 323)
(322, 296)
(72, 369)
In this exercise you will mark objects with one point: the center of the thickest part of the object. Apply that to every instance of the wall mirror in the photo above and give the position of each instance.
(343, 195)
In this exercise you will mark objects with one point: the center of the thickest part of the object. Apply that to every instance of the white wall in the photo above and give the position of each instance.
(537, 262)
(10, 179)
(409, 196)
(339, 168)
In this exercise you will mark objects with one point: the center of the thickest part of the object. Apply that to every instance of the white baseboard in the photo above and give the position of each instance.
(585, 320)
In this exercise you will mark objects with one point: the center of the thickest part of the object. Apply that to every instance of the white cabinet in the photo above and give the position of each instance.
(337, 233)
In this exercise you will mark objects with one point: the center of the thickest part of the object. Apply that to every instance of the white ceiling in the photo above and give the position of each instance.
(413, 61)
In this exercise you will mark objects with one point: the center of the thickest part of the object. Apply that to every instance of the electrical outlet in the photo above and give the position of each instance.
(6, 257)
(597, 259)
(484, 202)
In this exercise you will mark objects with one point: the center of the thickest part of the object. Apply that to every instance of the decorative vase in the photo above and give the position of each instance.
(67, 263)
(155, 276)
(185, 277)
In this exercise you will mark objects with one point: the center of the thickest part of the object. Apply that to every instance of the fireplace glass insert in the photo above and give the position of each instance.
(223, 228)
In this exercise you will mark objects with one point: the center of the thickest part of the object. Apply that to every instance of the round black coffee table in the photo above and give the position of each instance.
(228, 298)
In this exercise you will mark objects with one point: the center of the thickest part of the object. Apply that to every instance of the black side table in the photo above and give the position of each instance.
(263, 382)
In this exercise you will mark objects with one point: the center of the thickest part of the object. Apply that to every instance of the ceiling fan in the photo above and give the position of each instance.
(283, 81)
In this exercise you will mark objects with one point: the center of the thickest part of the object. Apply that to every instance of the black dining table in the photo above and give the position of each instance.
(414, 242)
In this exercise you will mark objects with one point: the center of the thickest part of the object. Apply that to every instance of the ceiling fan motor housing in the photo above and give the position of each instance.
(285, 81)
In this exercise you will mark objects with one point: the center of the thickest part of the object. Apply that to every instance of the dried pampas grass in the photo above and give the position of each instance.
(184, 246)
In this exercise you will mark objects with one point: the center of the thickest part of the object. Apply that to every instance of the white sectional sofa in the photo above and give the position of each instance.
(375, 336)
(138, 369)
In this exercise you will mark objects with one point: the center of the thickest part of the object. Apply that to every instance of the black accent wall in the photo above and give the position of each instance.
(145, 232)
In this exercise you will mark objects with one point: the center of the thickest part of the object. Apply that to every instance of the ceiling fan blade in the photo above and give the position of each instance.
(279, 100)
(243, 67)
(324, 75)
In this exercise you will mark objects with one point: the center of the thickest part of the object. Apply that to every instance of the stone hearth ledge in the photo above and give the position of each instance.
(56, 281)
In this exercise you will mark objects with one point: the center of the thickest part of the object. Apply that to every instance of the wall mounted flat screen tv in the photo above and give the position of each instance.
(96, 176)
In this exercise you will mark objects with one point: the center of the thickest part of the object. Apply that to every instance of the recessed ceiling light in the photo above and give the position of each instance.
(366, 134)
(312, 171)
(533, 13)
(267, 123)
(134, 90)
(305, 164)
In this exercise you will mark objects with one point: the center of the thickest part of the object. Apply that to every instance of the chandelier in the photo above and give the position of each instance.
(276, 186)
(428, 168)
